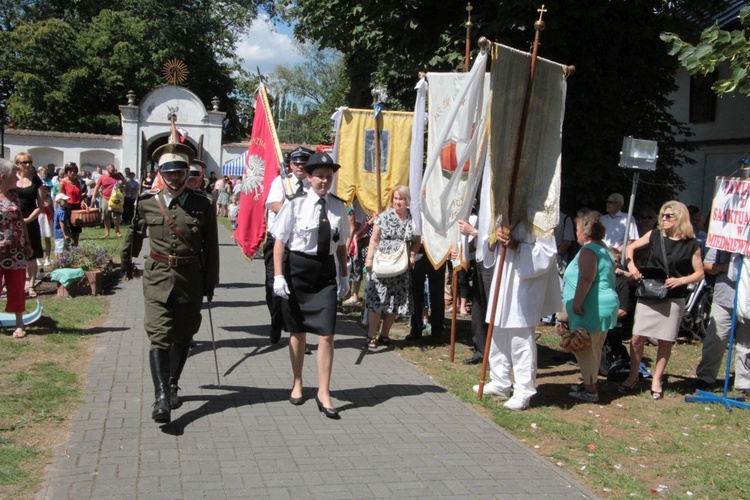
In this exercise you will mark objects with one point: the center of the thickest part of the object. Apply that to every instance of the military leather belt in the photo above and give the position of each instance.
(174, 260)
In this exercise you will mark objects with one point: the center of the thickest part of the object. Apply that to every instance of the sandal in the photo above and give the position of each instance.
(19, 333)
(626, 389)
(32, 292)
(657, 395)
(385, 340)
(372, 342)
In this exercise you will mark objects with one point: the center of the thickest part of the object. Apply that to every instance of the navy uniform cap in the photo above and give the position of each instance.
(301, 155)
(321, 160)
(171, 157)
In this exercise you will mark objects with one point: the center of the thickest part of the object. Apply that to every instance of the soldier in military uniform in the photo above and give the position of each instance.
(195, 175)
(276, 198)
(182, 267)
(312, 228)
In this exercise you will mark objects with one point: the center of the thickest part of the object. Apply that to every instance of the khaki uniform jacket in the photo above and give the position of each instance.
(195, 219)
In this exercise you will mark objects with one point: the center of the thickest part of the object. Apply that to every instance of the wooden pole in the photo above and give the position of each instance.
(453, 316)
(468, 25)
(538, 27)
(279, 155)
(467, 62)
(376, 162)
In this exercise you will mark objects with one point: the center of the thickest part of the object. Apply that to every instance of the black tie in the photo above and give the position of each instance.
(324, 231)
(300, 189)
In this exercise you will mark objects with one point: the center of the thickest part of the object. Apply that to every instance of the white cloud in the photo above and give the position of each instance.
(266, 46)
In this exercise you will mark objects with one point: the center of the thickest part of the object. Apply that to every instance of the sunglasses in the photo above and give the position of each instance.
(27, 162)
(668, 216)
(648, 217)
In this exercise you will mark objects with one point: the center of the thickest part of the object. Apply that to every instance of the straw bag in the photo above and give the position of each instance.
(89, 217)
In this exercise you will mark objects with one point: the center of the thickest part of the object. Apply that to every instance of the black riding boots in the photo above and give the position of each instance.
(159, 360)
(178, 355)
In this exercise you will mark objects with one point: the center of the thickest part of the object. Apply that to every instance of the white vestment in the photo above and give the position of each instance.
(530, 289)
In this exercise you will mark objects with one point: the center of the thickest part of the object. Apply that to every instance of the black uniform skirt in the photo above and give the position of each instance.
(311, 306)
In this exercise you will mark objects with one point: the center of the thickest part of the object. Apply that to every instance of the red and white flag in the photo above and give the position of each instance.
(262, 166)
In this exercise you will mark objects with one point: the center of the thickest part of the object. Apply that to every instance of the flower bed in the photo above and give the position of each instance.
(94, 260)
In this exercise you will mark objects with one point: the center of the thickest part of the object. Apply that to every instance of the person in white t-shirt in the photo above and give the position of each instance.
(615, 222)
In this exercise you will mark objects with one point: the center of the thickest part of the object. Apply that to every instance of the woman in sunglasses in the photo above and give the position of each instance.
(674, 239)
(31, 202)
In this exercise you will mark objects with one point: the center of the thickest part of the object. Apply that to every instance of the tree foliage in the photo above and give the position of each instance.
(717, 46)
(67, 65)
(620, 88)
(312, 91)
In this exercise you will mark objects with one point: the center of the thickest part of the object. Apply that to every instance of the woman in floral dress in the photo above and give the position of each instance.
(15, 246)
(386, 298)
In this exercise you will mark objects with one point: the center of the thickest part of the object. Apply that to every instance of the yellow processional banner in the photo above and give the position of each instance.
(356, 155)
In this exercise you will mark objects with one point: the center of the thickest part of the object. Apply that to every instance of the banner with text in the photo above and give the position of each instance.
(729, 225)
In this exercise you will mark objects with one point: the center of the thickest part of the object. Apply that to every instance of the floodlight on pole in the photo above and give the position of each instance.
(636, 155)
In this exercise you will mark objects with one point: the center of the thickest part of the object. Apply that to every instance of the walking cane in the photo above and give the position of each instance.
(213, 342)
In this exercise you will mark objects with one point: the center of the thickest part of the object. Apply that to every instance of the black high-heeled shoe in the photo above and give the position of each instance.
(297, 401)
(328, 412)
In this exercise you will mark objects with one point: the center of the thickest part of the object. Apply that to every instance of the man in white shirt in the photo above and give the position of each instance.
(615, 222)
(529, 290)
(276, 198)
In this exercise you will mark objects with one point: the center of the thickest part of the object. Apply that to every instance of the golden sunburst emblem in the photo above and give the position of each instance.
(174, 71)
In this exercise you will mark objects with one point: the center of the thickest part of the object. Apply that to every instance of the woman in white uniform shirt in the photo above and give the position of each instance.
(306, 280)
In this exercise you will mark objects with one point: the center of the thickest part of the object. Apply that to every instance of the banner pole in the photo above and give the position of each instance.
(538, 27)
(277, 145)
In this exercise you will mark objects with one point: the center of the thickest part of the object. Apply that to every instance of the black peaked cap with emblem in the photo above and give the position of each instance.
(300, 155)
(321, 160)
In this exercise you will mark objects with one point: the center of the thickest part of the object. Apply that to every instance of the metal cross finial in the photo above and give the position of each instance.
(541, 12)
(469, 8)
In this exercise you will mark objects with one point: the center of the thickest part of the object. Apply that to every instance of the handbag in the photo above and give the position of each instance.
(652, 282)
(88, 217)
(388, 265)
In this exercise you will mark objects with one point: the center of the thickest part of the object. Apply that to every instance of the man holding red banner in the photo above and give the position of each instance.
(276, 198)
(263, 164)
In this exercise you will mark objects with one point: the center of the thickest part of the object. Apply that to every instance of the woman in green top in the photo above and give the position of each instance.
(590, 298)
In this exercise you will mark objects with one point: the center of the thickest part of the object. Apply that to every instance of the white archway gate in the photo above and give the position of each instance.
(148, 122)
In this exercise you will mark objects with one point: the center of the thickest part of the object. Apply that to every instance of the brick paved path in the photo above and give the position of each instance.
(401, 435)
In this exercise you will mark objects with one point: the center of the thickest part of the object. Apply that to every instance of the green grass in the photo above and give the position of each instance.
(41, 385)
(11, 457)
(639, 445)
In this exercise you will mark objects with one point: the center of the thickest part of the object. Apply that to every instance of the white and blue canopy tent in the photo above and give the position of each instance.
(235, 167)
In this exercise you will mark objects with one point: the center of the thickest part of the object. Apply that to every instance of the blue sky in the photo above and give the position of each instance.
(267, 45)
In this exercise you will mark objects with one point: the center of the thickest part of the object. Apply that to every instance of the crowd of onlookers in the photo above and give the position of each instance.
(600, 263)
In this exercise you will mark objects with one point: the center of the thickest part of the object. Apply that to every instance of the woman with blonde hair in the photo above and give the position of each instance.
(674, 240)
(386, 298)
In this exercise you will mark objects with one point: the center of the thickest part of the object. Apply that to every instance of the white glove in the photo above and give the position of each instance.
(280, 287)
(343, 287)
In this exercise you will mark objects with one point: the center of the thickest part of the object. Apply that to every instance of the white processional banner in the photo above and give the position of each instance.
(456, 148)
(537, 194)
(729, 223)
